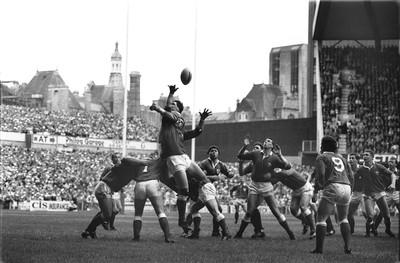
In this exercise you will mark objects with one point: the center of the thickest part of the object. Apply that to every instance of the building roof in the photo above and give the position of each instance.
(356, 20)
(40, 84)
(262, 99)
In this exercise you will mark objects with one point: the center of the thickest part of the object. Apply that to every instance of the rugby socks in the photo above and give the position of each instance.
(242, 227)
(310, 221)
(196, 223)
(164, 226)
(137, 227)
(351, 223)
(378, 220)
(96, 221)
(112, 219)
(225, 230)
(196, 226)
(215, 226)
(345, 231)
(256, 221)
(236, 216)
(181, 205)
(285, 226)
(370, 228)
(367, 229)
(321, 233)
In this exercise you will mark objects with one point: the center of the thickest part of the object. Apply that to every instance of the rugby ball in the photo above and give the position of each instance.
(186, 76)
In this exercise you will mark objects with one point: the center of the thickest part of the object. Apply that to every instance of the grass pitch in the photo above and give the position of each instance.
(55, 237)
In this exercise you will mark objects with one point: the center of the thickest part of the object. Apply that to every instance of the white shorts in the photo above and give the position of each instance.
(392, 198)
(103, 189)
(239, 201)
(177, 163)
(116, 196)
(338, 194)
(207, 192)
(356, 197)
(147, 189)
(261, 188)
(306, 189)
(375, 196)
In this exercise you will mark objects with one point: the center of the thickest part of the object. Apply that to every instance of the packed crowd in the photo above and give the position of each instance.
(74, 123)
(42, 174)
(363, 83)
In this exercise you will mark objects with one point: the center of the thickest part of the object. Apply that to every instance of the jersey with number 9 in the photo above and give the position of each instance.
(331, 168)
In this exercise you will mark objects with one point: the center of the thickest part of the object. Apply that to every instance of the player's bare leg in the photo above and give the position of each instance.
(342, 211)
(212, 206)
(325, 209)
(273, 206)
(157, 203)
(252, 203)
(384, 210)
(370, 225)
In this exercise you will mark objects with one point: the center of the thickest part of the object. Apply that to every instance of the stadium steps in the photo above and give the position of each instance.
(342, 143)
(344, 101)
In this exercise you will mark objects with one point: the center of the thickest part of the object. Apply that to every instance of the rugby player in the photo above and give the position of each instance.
(264, 163)
(334, 176)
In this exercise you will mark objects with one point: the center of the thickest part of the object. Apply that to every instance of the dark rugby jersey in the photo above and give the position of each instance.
(373, 177)
(291, 178)
(262, 165)
(172, 135)
(242, 191)
(358, 182)
(105, 171)
(211, 170)
(331, 168)
(153, 171)
(121, 174)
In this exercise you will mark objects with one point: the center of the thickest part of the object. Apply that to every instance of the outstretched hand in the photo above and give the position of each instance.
(205, 114)
(172, 89)
(277, 150)
(153, 107)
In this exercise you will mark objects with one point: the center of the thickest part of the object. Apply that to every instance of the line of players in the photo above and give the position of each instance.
(267, 166)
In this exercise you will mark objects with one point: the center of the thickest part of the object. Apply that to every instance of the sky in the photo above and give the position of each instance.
(226, 45)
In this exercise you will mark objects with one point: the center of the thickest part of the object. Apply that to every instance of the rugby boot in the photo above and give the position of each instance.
(185, 229)
(169, 239)
(93, 235)
(85, 234)
(215, 234)
(226, 234)
(388, 231)
(195, 234)
(258, 235)
(106, 225)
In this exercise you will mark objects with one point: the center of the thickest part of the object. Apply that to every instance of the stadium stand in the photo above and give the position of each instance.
(368, 99)
(74, 123)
